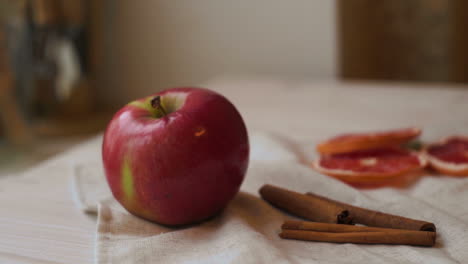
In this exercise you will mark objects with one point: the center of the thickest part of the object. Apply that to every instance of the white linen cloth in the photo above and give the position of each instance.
(247, 230)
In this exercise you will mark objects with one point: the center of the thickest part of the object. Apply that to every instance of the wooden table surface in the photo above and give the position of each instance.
(39, 222)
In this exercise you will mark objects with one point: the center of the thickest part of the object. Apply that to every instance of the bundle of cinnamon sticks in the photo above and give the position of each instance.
(333, 221)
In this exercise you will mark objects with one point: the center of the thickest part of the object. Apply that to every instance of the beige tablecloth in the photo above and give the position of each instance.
(247, 231)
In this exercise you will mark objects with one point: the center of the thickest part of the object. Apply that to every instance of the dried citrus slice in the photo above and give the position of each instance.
(450, 156)
(362, 141)
(384, 166)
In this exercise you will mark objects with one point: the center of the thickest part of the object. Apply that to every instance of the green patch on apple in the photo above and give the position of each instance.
(127, 180)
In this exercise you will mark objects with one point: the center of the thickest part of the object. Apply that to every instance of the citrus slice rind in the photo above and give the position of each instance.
(449, 156)
(370, 167)
(361, 141)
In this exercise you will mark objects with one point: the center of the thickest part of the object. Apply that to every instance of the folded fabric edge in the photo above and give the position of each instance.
(101, 251)
(79, 197)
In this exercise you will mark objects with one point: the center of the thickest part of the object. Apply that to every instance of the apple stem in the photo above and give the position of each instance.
(156, 103)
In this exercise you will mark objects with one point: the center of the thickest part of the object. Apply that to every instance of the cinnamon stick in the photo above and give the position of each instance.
(355, 234)
(305, 206)
(397, 237)
(321, 209)
(332, 228)
(378, 219)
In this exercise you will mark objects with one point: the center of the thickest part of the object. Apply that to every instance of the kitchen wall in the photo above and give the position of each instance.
(149, 45)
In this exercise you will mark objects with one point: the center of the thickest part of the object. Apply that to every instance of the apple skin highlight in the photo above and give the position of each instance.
(179, 168)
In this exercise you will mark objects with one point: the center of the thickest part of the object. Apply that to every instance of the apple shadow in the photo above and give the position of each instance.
(245, 209)
(92, 216)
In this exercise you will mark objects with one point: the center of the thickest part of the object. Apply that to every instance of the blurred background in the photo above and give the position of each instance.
(67, 65)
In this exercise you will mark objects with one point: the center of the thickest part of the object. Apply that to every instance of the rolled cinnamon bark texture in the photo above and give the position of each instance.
(336, 233)
(321, 209)
(378, 219)
(305, 206)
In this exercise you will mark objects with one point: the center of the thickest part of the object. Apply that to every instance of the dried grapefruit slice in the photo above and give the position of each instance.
(376, 167)
(362, 141)
(450, 156)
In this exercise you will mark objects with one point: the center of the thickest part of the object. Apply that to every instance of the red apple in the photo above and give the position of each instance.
(176, 157)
